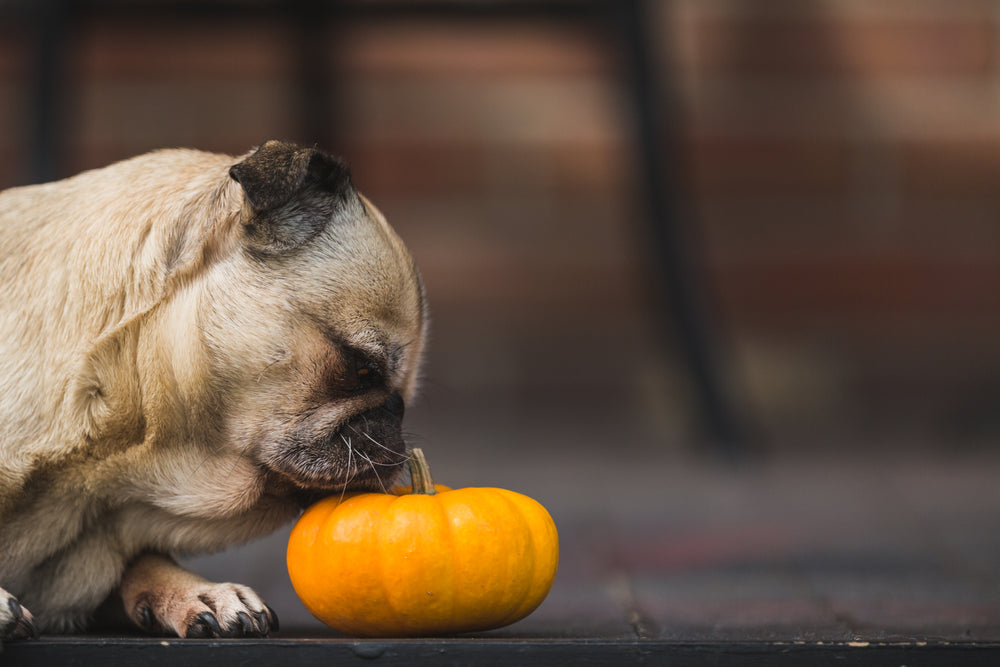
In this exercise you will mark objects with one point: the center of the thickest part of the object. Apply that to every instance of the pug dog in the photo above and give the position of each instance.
(193, 347)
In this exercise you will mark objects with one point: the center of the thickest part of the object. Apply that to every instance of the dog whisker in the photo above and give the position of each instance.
(350, 459)
(374, 470)
(402, 456)
(384, 465)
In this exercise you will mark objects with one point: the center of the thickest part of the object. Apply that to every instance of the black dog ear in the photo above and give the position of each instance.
(278, 173)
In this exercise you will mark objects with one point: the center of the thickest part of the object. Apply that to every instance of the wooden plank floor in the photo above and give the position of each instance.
(832, 551)
(888, 561)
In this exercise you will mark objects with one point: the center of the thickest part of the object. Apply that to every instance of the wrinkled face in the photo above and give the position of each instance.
(315, 351)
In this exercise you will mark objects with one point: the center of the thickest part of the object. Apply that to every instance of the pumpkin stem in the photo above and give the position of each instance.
(420, 473)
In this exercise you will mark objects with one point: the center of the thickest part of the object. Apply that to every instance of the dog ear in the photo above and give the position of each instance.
(278, 173)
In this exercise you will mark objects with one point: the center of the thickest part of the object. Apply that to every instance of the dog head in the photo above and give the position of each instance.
(313, 328)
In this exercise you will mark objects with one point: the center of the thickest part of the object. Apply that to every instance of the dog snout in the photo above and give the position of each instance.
(395, 405)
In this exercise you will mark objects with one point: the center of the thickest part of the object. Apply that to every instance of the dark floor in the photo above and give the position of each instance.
(859, 549)
(852, 552)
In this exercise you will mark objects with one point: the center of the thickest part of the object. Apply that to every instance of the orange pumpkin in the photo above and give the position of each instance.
(429, 561)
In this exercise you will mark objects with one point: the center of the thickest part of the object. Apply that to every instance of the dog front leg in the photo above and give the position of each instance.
(160, 595)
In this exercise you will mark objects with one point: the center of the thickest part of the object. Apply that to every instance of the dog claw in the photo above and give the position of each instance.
(26, 629)
(146, 620)
(246, 627)
(24, 625)
(205, 625)
(273, 618)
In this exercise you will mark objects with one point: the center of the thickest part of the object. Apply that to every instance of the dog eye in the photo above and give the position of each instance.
(363, 374)
(367, 377)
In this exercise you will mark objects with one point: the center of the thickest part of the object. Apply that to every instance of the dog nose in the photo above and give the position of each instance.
(395, 405)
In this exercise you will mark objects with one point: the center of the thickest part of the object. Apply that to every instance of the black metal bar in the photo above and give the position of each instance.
(408, 10)
(47, 120)
(657, 134)
(383, 9)
(314, 78)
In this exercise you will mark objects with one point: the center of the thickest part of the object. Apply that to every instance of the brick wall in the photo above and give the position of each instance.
(842, 158)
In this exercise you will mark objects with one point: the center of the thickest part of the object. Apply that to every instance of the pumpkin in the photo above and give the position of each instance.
(425, 560)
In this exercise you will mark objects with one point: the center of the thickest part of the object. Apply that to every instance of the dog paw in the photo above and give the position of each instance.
(16, 622)
(208, 610)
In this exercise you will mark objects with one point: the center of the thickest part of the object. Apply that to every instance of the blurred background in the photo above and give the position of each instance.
(826, 172)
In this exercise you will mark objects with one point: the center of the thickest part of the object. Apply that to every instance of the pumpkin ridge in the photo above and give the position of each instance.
(385, 527)
(375, 507)
(449, 534)
(492, 565)
(490, 514)
(541, 529)
(411, 523)
(525, 594)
